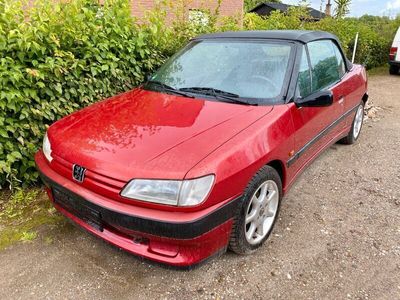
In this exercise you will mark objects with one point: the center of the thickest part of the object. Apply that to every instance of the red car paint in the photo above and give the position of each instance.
(146, 134)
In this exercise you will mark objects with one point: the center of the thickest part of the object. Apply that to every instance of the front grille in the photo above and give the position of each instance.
(93, 181)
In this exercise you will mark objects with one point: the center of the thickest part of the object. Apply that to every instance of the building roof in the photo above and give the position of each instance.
(303, 36)
(316, 14)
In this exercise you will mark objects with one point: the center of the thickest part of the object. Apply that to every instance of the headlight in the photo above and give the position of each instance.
(172, 192)
(47, 148)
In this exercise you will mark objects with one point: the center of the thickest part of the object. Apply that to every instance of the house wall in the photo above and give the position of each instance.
(140, 7)
(227, 8)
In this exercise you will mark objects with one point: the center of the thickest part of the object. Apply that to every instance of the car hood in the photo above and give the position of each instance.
(148, 134)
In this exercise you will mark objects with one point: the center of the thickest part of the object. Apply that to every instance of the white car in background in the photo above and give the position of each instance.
(394, 56)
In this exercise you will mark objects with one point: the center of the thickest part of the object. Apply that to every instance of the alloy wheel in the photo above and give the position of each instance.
(261, 212)
(358, 121)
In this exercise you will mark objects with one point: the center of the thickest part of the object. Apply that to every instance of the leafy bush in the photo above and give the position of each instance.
(57, 57)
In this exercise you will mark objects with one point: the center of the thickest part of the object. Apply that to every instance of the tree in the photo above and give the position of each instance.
(342, 8)
(250, 4)
(305, 3)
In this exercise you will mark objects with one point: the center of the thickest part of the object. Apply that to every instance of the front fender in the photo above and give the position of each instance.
(271, 138)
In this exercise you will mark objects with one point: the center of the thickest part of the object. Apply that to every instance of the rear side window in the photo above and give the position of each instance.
(324, 63)
(304, 79)
(341, 66)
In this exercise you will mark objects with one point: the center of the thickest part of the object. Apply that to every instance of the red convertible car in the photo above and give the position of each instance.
(197, 159)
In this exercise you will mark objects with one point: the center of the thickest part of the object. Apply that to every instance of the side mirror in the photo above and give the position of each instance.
(319, 99)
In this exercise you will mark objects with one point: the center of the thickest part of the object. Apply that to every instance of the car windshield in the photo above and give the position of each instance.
(251, 70)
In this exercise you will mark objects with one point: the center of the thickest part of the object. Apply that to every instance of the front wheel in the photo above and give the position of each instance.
(355, 130)
(258, 211)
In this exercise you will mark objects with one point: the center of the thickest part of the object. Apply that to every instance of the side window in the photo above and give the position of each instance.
(304, 79)
(340, 60)
(324, 64)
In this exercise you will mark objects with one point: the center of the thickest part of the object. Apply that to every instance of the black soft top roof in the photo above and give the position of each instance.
(303, 36)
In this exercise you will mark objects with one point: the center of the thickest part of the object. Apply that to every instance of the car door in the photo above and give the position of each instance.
(351, 88)
(316, 126)
(347, 90)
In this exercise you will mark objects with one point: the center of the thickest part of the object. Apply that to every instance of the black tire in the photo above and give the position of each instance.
(238, 242)
(350, 138)
(394, 70)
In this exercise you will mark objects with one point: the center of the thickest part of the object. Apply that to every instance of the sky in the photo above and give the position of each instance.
(361, 7)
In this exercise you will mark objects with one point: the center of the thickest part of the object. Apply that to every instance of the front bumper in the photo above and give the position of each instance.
(175, 238)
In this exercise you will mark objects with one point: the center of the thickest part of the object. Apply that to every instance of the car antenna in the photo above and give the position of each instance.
(355, 48)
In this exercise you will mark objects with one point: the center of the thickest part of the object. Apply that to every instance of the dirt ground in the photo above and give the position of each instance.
(338, 237)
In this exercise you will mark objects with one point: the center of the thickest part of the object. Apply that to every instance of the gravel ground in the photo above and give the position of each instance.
(338, 237)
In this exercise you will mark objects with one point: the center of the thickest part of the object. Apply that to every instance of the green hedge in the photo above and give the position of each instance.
(57, 58)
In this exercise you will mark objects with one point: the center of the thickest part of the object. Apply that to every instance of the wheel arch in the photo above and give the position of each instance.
(365, 98)
(279, 166)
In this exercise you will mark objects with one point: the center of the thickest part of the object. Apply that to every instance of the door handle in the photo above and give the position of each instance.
(341, 99)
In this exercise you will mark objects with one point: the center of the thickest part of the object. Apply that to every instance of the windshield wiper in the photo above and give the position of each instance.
(169, 89)
(219, 94)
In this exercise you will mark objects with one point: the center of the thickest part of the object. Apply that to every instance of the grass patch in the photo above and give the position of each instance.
(22, 213)
(384, 70)
(28, 236)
